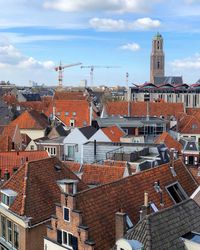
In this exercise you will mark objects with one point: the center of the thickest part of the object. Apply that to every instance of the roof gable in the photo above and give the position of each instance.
(31, 120)
(36, 185)
(169, 141)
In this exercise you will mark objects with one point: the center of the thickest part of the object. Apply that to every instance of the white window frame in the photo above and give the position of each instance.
(66, 245)
(64, 214)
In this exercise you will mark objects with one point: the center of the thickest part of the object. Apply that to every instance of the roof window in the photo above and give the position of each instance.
(176, 192)
(7, 197)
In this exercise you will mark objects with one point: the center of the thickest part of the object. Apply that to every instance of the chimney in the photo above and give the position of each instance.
(6, 175)
(144, 208)
(172, 156)
(120, 225)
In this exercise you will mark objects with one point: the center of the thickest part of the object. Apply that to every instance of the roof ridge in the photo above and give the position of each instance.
(22, 211)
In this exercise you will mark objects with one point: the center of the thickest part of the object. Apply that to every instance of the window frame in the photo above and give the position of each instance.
(15, 232)
(180, 189)
(68, 233)
(64, 213)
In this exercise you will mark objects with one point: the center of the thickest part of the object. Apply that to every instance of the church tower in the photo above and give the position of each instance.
(157, 67)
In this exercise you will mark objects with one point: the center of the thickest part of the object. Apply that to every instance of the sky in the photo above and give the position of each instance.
(35, 35)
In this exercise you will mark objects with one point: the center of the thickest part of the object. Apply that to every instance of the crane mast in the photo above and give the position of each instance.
(60, 70)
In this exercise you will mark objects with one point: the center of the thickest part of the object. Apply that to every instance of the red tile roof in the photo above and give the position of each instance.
(94, 174)
(64, 95)
(78, 110)
(140, 108)
(5, 143)
(37, 188)
(189, 124)
(35, 105)
(8, 130)
(73, 166)
(99, 205)
(14, 160)
(114, 133)
(169, 141)
(31, 120)
(195, 172)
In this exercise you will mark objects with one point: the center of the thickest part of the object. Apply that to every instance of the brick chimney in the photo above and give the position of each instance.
(144, 208)
(120, 225)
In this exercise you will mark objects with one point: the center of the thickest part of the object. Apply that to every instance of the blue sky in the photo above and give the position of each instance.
(36, 34)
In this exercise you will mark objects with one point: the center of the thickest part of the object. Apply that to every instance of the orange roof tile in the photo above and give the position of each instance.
(78, 110)
(99, 205)
(31, 120)
(140, 108)
(94, 174)
(13, 160)
(73, 166)
(5, 143)
(189, 124)
(69, 95)
(114, 133)
(196, 173)
(169, 141)
(37, 188)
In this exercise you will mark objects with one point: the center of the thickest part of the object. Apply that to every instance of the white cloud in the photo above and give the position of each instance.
(192, 1)
(96, 5)
(187, 63)
(104, 24)
(130, 46)
(12, 57)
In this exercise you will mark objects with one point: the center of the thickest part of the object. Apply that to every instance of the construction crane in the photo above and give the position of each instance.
(60, 70)
(92, 67)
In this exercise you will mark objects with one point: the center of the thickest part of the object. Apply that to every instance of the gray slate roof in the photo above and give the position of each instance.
(162, 230)
(88, 131)
(168, 79)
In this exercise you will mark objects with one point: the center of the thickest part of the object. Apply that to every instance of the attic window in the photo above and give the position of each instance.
(58, 113)
(72, 123)
(66, 113)
(7, 196)
(176, 192)
(74, 113)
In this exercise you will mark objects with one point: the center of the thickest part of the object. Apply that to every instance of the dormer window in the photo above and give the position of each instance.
(7, 197)
(72, 123)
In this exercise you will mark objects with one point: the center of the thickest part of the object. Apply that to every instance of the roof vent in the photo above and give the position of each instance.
(57, 168)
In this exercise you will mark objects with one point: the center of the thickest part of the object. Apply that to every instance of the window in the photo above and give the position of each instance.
(32, 147)
(51, 150)
(9, 231)
(58, 113)
(74, 113)
(66, 214)
(66, 113)
(3, 227)
(129, 223)
(7, 196)
(15, 170)
(72, 123)
(158, 64)
(194, 126)
(59, 236)
(5, 199)
(71, 151)
(176, 192)
(69, 240)
(16, 237)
